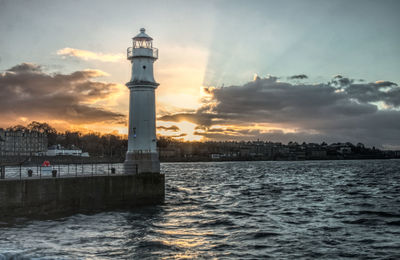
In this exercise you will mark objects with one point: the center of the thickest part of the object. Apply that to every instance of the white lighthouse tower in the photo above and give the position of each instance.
(142, 156)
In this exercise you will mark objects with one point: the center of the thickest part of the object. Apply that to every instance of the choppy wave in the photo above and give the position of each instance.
(318, 209)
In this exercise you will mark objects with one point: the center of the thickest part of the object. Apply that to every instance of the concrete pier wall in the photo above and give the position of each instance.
(58, 196)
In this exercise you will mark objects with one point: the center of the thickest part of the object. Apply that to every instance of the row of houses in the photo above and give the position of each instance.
(259, 150)
(22, 143)
(32, 143)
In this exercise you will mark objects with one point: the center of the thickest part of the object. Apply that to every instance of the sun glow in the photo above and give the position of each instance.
(185, 132)
(180, 73)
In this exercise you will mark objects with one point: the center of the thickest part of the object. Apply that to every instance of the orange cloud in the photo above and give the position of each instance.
(60, 99)
(89, 55)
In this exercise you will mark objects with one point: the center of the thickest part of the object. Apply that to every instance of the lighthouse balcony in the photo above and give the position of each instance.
(142, 52)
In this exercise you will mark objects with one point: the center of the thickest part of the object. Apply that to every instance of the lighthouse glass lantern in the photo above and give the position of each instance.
(142, 156)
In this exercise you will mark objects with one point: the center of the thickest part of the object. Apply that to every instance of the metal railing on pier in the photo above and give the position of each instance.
(61, 170)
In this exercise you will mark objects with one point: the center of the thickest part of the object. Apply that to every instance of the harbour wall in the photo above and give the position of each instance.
(48, 197)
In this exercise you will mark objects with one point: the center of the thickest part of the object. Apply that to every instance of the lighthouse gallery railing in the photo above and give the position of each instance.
(142, 52)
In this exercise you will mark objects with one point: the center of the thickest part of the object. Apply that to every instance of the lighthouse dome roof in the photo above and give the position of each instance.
(142, 36)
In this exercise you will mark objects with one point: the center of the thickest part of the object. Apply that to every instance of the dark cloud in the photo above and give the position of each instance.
(27, 91)
(197, 118)
(275, 135)
(382, 84)
(339, 110)
(300, 76)
(374, 92)
(26, 67)
(176, 136)
(173, 128)
(340, 81)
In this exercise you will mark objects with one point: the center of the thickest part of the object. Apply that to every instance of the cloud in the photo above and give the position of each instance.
(25, 67)
(88, 55)
(178, 135)
(172, 128)
(198, 118)
(274, 135)
(300, 76)
(26, 91)
(380, 91)
(382, 84)
(337, 110)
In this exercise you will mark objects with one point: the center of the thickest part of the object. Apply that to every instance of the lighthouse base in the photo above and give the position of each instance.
(141, 163)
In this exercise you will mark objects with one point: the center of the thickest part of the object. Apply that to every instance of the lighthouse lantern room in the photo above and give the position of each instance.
(142, 156)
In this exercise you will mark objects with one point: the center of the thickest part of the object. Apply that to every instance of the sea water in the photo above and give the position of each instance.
(294, 210)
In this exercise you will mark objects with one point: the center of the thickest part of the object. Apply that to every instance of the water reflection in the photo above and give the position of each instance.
(236, 210)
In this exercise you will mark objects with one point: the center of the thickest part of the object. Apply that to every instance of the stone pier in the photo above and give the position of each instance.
(47, 197)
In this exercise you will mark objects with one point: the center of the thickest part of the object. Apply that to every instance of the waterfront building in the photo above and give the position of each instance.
(142, 143)
(58, 150)
(22, 143)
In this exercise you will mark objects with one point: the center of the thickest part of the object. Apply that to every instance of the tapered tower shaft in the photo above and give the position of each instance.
(142, 156)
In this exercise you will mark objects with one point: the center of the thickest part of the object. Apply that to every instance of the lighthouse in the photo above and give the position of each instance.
(142, 156)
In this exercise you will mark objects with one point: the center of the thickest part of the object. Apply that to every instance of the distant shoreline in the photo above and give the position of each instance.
(16, 161)
(280, 160)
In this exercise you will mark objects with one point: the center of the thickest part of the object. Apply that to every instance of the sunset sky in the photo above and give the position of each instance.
(297, 70)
